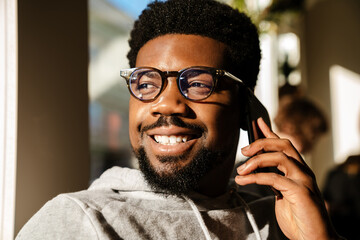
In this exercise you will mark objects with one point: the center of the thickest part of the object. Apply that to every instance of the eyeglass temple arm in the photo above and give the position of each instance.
(238, 80)
(125, 73)
(233, 77)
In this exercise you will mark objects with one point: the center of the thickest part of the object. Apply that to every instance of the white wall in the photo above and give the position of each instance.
(53, 151)
(331, 37)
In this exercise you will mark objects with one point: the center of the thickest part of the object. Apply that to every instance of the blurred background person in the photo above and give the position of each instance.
(342, 196)
(301, 121)
(341, 193)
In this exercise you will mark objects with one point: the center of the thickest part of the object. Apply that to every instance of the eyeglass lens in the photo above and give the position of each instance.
(145, 84)
(194, 83)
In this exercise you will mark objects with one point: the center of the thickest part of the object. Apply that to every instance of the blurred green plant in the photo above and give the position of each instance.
(280, 12)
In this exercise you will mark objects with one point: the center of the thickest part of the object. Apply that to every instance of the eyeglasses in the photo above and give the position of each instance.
(194, 83)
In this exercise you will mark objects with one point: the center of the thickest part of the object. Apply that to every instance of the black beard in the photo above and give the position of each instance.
(180, 181)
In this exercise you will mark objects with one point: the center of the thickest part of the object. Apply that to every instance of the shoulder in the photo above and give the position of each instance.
(63, 217)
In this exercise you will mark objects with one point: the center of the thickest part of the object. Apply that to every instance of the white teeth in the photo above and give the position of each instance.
(164, 140)
(170, 140)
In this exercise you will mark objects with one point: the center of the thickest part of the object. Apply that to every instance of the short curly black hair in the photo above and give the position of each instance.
(207, 18)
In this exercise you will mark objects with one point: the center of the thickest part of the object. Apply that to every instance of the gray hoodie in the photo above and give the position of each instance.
(121, 205)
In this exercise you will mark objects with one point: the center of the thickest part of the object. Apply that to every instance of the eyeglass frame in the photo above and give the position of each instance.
(215, 72)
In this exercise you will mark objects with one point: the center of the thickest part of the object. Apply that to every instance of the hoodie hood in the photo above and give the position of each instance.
(131, 183)
(121, 179)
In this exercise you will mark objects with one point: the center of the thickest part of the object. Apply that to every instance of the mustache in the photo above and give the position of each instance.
(172, 121)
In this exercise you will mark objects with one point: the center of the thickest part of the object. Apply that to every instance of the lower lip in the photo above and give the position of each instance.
(173, 149)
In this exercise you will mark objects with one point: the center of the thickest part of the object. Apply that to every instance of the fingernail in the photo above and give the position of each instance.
(241, 167)
(245, 148)
(238, 180)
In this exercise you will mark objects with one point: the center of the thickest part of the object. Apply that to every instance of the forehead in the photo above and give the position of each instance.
(173, 52)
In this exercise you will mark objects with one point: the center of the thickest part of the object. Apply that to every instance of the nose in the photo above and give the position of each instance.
(170, 102)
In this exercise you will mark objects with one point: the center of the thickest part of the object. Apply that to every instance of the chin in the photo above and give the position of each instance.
(175, 175)
(169, 165)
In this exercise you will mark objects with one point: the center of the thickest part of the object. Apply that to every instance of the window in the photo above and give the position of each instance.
(8, 116)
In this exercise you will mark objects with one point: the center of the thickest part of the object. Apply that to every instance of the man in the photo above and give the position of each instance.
(185, 115)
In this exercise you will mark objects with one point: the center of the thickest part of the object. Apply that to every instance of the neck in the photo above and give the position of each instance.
(216, 182)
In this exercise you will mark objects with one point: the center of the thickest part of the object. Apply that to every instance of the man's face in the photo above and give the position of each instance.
(171, 132)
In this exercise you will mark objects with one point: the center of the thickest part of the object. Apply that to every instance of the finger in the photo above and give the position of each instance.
(286, 186)
(291, 168)
(278, 182)
(268, 133)
(272, 145)
(274, 159)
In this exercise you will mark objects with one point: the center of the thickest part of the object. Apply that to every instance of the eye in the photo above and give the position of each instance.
(195, 84)
(198, 89)
(146, 84)
(200, 80)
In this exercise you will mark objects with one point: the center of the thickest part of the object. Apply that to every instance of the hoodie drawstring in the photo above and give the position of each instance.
(249, 216)
(198, 216)
(206, 230)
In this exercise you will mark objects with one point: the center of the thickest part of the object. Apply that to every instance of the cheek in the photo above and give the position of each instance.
(226, 126)
(136, 114)
(223, 126)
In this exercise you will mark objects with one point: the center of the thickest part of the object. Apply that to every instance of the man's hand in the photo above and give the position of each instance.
(300, 212)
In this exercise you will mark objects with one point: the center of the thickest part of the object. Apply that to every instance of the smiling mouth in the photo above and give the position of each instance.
(173, 139)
